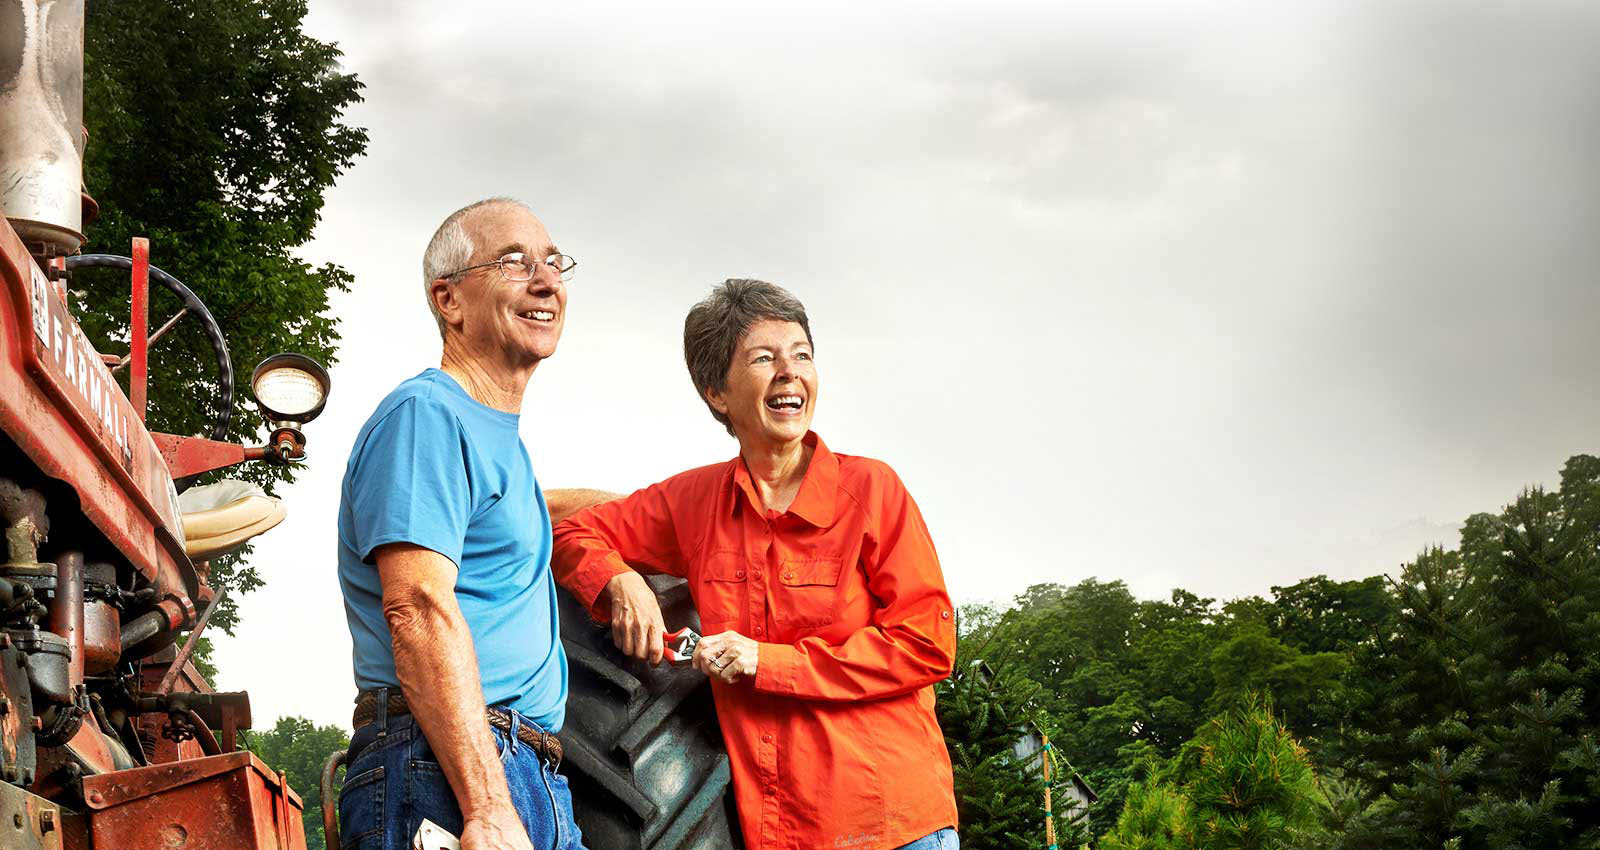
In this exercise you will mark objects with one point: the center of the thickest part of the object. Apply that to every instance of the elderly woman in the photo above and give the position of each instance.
(825, 614)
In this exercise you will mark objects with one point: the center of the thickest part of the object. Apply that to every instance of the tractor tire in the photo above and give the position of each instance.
(643, 751)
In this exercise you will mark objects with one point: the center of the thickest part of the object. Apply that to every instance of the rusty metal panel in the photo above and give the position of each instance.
(28, 821)
(18, 755)
(227, 801)
(68, 415)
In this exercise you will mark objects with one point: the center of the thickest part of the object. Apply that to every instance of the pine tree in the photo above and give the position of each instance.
(984, 711)
(1243, 783)
(1479, 721)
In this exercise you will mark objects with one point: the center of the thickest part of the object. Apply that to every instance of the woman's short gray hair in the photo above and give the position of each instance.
(451, 248)
(713, 328)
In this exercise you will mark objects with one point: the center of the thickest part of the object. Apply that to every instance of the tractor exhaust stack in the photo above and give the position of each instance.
(41, 120)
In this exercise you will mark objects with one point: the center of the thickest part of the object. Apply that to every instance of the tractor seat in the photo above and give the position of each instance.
(219, 518)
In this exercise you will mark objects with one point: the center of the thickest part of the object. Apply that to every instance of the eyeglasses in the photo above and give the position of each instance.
(518, 267)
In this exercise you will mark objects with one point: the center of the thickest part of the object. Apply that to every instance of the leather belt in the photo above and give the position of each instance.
(542, 742)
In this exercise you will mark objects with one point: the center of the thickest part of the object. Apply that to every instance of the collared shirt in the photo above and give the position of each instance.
(834, 743)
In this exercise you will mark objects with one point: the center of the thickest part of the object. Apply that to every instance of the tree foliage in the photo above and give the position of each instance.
(1243, 783)
(214, 129)
(1452, 706)
(1482, 733)
(984, 711)
(1123, 678)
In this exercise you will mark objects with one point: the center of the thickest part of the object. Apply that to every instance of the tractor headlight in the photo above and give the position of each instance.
(291, 388)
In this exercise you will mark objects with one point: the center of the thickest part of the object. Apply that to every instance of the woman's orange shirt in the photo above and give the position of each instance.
(834, 743)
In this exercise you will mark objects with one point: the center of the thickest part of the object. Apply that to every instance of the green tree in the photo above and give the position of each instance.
(1117, 674)
(214, 129)
(1321, 615)
(984, 711)
(1250, 784)
(1155, 817)
(1243, 783)
(1253, 661)
(300, 748)
(1480, 732)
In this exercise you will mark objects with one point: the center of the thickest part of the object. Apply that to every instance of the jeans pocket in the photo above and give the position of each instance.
(361, 811)
(428, 795)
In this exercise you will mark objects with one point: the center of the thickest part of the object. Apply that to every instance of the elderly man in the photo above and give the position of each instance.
(444, 560)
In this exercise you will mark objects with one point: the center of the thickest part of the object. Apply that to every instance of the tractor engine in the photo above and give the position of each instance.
(109, 735)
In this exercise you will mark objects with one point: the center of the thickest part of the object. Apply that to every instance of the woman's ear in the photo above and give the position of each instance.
(714, 398)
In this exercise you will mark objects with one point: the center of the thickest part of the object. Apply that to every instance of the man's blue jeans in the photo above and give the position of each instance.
(395, 782)
(944, 839)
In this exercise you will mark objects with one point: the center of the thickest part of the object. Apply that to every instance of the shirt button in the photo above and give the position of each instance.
(944, 615)
(788, 576)
(756, 574)
(766, 739)
(757, 630)
(738, 574)
(772, 790)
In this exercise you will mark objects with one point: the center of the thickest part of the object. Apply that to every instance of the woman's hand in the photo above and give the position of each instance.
(636, 624)
(727, 656)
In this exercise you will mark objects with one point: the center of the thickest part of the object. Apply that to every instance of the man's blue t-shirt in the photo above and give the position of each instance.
(436, 468)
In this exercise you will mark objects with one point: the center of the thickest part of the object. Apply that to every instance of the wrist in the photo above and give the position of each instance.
(618, 586)
(481, 789)
(488, 807)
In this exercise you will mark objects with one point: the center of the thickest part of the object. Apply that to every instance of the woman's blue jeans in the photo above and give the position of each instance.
(395, 782)
(944, 839)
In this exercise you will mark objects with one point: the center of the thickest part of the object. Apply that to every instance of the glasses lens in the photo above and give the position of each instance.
(516, 267)
(563, 265)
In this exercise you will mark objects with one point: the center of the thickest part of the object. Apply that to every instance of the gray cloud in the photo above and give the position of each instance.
(1213, 295)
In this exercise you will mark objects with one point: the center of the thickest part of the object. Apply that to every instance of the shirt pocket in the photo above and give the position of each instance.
(719, 591)
(807, 592)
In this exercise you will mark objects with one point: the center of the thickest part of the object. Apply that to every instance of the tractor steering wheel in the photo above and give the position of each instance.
(194, 306)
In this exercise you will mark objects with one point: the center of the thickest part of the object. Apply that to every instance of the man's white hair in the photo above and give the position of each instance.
(451, 249)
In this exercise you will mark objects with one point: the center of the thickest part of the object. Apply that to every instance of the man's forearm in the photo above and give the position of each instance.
(567, 501)
(438, 671)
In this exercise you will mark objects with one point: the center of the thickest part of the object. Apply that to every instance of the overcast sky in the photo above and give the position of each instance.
(1218, 296)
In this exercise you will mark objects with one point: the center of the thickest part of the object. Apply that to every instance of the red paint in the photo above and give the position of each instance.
(67, 415)
(97, 444)
(229, 801)
(187, 456)
(139, 364)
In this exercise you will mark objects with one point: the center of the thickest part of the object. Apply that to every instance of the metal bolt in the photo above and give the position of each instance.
(47, 820)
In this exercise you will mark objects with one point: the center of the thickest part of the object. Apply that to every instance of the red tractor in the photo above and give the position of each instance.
(109, 736)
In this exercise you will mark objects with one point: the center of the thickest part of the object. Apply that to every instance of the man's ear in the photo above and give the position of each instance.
(714, 398)
(446, 300)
